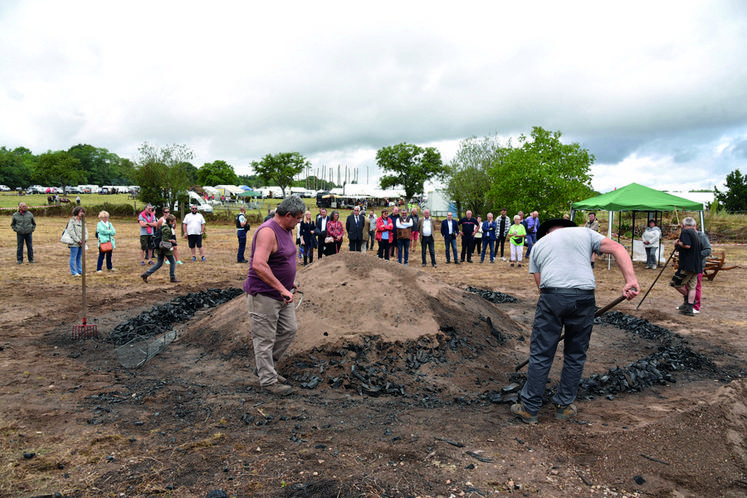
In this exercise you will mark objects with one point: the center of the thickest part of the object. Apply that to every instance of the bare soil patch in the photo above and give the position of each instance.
(400, 377)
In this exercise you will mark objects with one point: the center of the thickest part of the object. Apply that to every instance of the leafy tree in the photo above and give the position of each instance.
(217, 173)
(280, 168)
(542, 174)
(60, 168)
(17, 167)
(98, 163)
(469, 179)
(734, 198)
(161, 173)
(412, 166)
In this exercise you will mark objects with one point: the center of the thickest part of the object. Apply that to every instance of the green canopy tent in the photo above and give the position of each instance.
(634, 198)
(252, 194)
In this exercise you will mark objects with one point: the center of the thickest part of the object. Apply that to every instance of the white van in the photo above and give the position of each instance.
(195, 199)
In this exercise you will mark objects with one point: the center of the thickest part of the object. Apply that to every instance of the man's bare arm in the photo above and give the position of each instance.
(618, 251)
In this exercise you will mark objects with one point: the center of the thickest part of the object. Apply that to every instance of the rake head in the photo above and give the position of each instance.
(83, 331)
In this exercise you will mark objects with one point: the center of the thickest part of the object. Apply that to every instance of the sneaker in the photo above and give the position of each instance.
(695, 311)
(179, 262)
(150, 261)
(519, 265)
(194, 258)
(503, 259)
(99, 271)
(167, 262)
(522, 414)
(653, 267)
(203, 258)
(512, 265)
(142, 263)
(144, 276)
(278, 389)
(174, 280)
(20, 262)
(435, 266)
(564, 412)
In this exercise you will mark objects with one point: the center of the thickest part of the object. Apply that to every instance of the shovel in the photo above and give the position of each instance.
(599, 313)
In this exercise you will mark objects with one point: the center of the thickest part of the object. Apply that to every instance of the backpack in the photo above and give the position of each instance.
(155, 240)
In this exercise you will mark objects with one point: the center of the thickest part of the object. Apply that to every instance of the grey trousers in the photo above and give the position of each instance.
(273, 326)
(576, 313)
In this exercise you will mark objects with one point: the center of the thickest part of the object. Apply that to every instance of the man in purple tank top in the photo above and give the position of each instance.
(269, 287)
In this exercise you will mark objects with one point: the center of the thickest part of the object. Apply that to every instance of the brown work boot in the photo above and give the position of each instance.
(688, 310)
(564, 412)
(522, 414)
(280, 378)
(278, 389)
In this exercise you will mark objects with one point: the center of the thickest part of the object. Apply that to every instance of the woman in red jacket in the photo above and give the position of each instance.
(336, 231)
(384, 229)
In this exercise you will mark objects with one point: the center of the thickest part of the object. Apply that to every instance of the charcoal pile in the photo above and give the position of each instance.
(493, 296)
(654, 369)
(161, 318)
(638, 326)
(374, 368)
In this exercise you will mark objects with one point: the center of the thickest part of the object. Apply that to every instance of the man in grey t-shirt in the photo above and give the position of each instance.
(561, 264)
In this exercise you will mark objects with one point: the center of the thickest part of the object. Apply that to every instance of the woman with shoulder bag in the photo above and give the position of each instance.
(165, 250)
(74, 237)
(105, 232)
(336, 231)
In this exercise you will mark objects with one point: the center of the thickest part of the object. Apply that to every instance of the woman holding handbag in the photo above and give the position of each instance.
(336, 231)
(74, 238)
(105, 232)
(165, 250)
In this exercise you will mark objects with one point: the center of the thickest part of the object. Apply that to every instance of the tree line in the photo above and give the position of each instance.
(536, 171)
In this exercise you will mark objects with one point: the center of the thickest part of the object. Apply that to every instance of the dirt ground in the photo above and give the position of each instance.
(398, 373)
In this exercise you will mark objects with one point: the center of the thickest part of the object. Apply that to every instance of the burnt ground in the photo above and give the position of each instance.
(403, 380)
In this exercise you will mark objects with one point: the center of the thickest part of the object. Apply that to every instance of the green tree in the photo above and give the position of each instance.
(542, 174)
(161, 173)
(411, 166)
(734, 197)
(469, 180)
(17, 167)
(280, 168)
(59, 168)
(217, 173)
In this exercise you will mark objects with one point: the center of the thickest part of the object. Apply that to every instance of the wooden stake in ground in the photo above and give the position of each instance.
(83, 331)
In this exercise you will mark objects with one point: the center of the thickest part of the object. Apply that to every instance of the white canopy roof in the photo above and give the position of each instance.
(230, 189)
(360, 190)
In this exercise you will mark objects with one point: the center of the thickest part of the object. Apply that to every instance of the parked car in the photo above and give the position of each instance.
(4, 188)
(36, 189)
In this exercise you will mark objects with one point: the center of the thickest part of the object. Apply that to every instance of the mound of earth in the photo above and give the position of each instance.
(351, 296)
(369, 324)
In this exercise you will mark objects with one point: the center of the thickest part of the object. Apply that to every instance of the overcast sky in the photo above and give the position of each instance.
(656, 90)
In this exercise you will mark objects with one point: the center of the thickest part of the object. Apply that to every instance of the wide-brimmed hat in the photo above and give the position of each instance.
(550, 224)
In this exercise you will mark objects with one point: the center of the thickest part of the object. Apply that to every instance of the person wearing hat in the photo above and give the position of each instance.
(561, 264)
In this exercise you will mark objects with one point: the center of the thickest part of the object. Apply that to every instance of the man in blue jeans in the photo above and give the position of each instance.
(532, 225)
(449, 231)
(561, 265)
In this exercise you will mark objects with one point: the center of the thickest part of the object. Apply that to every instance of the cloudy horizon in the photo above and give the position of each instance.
(655, 90)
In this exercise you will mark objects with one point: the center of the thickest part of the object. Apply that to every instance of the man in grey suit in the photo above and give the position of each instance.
(354, 226)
